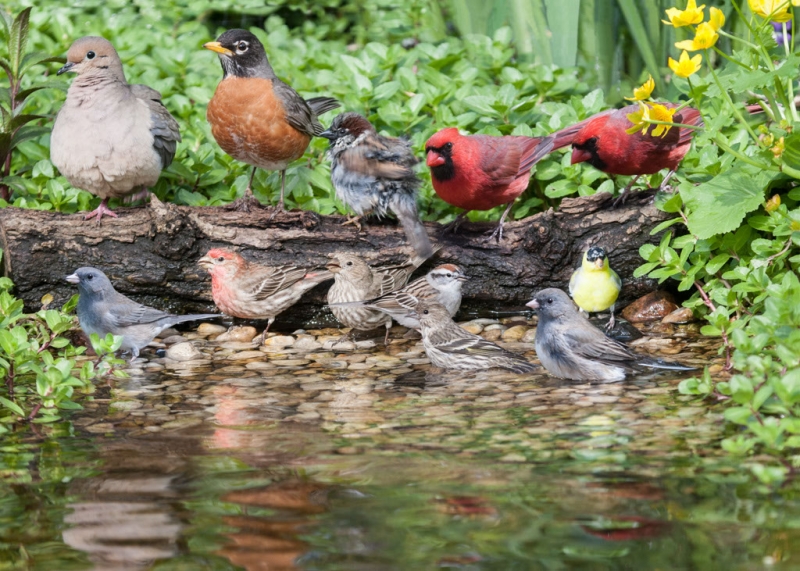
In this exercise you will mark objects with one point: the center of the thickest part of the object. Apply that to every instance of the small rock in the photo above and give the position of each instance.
(184, 352)
(530, 336)
(307, 343)
(241, 334)
(211, 329)
(472, 327)
(244, 355)
(100, 428)
(514, 333)
(681, 315)
(169, 332)
(493, 326)
(280, 341)
(126, 405)
(173, 339)
(651, 307)
(491, 334)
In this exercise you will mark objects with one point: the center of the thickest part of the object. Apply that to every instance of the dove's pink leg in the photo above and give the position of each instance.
(100, 210)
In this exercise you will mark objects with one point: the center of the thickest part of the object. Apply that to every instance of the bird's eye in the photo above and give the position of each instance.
(425, 311)
(241, 47)
(449, 275)
(349, 263)
(90, 55)
(89, 276)
(549, 300)
(448, 146)
(221, 259)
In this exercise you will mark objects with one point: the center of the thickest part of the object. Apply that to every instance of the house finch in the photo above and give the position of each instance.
(595, 286)
(442, 284)
(103, 310)
(110, 138)
(479, 172)
(354, 280)
(252, 291)
(570, 347)
(602, 141)
(449, 346)
(255, 117)
(373, 173)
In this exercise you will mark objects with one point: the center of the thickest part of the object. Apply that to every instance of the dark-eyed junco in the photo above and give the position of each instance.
(570, 347)
(103, 310)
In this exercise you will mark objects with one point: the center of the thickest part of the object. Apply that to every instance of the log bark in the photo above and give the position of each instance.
(150, 253)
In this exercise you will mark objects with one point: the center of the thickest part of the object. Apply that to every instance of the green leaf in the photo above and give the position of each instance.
(719, 205)
(12, 406)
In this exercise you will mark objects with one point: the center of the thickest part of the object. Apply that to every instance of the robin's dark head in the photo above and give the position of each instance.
(552, 303)
(241, 54)
(91, 282)
(347, 125)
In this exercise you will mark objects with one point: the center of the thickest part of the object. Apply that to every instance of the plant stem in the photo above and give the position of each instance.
(736, 112)
(713, 308)
(744, 158)
(35, 411)
(792, 108)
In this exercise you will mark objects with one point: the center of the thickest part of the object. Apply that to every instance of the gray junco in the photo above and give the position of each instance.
(570, 347)
(103, 310)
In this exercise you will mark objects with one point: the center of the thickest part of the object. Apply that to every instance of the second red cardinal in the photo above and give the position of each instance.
(479, 172)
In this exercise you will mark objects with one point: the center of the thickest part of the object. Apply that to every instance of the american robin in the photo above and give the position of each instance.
(110, 138)
(255, 117)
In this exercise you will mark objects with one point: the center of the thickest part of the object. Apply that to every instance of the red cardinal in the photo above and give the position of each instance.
(601, 141)
(479, 172)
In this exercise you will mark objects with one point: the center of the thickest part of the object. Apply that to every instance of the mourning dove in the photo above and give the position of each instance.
(110, 137)
(103, 310)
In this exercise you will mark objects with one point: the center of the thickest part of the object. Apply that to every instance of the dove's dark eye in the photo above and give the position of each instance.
(221, 259)
(349, 263)
(425, 311)
(89, 55)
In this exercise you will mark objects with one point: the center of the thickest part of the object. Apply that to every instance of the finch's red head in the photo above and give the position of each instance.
(221, 262)
(440, 149)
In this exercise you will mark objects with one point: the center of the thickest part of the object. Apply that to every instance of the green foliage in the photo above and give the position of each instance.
(40, 366)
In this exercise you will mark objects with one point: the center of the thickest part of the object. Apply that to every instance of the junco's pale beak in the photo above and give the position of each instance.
(205, 262)
(533, 304)
(73, 278)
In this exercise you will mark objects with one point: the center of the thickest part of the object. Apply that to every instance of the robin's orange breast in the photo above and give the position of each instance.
(249, 122)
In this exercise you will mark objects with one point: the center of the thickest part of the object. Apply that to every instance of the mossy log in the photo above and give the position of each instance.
(150, 253)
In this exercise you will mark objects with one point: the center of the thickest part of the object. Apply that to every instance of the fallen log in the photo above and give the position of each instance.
(150, 253)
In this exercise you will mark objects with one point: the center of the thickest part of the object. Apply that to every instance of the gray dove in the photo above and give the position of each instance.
(570, 347)
(103, 310)
(110, 138)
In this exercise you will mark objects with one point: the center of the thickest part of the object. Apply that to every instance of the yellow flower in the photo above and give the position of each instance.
(643, 91)
(717, 19)
(685, 66)
(705, 37)
(661, 113)
(773, 203)
(639, 119)
(691, 15)
(775, 10)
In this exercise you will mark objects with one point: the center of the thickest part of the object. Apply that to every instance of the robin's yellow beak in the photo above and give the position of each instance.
(217, 47)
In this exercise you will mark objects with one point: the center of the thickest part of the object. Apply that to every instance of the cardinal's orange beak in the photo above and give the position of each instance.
(579, 156)
(435, 159)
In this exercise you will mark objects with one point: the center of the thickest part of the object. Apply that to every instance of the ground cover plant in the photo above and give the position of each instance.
(732, 243)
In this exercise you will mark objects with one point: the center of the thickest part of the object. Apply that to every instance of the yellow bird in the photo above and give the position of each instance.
(595, 286)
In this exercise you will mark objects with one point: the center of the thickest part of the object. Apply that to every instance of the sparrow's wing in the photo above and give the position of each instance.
(380, 157)
(458, 341)
(585, 340)
(264, 282)
(394, 277)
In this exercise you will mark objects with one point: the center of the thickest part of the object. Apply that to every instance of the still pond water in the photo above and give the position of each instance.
(300, 457)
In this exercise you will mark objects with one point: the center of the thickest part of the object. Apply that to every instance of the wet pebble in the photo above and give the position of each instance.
(680, 315)
(173, 339)
(206, 329)
(240, 334)
(472, 327)
(514, 333)
(280, 341)
(651, 307)
(183, 352)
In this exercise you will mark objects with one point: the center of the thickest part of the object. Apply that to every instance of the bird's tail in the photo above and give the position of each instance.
(320, 105)
(404, 207)
(194, 317)
(665, 365)
(519, 366)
